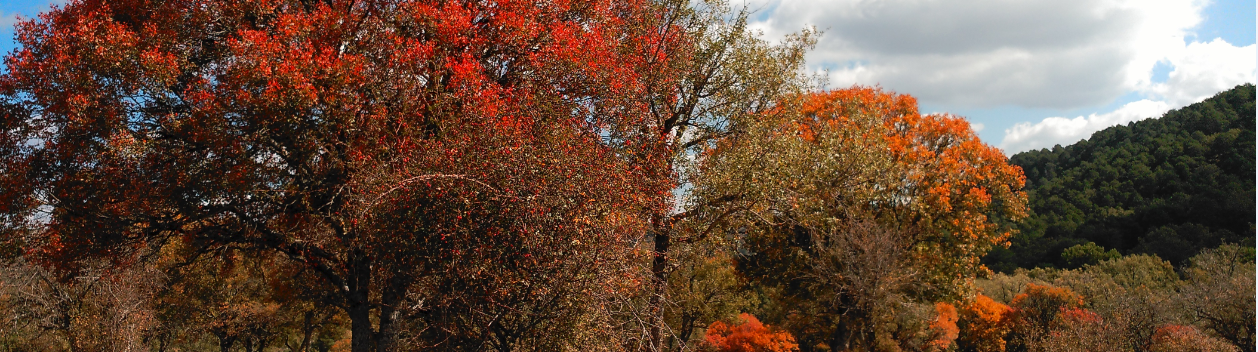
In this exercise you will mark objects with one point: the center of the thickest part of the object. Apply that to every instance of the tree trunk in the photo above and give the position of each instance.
(659, 271)
(307, 330)
(391, 297)
(841, 339)
(225, 342)
(362, 335)
(360, 327)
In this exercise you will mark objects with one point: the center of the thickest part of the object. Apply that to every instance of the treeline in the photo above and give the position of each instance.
(1170, 186)
(1133, 303)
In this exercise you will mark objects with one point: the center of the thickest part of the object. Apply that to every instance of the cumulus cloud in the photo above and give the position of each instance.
(1201, 70)
(1036, 54)
(970, 53)
(1060, 130)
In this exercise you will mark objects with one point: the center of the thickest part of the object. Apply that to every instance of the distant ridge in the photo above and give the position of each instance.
(1168, 186)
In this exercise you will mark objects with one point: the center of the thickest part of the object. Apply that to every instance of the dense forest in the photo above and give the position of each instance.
(1169, 186)
(574, 175)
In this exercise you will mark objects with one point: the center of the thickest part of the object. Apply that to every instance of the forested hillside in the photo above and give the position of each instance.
(1169, 186)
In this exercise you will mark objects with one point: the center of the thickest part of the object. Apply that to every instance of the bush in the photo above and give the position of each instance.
(1087, 254)
(748, 335)
(983, 326)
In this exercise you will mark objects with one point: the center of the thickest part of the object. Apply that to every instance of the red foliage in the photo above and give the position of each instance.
(1184, 338)
(1077, 316)
(749, 335)
(464, 144)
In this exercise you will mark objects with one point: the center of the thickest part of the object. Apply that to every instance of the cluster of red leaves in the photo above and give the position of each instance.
(748, 335)
(1183, 338)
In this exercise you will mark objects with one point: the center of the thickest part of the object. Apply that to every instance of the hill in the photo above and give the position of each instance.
(1168, 186)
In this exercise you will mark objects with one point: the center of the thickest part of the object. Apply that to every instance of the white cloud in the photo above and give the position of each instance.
(1059, 130)
(1036, 54)
(1061, 54)
(977, 127)
(1201, 70)
(1204, 69)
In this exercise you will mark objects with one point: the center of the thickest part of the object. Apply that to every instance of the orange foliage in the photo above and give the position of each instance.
(983, 325)
(944, 326)
(748, 336)
(1038, 306)
(951, 179)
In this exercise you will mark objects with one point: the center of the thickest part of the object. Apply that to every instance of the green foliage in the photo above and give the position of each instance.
(704, 288)
(1138, 270)
(1085, 254)
(1169, 186)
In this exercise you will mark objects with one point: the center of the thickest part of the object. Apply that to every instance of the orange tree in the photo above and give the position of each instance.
(1036, 310)
(486, 153)
(748, 335)
(859, 173)
(983, 325)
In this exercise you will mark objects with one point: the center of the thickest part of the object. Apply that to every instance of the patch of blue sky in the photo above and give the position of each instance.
(1232, 20)
(1161, 72)
(25, 9)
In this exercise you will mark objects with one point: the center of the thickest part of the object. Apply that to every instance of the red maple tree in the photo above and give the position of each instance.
(487, 153)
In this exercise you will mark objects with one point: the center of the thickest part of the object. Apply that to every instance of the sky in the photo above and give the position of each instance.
(1028, 74)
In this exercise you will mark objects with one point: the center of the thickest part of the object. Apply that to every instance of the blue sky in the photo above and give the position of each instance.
(1027, 73)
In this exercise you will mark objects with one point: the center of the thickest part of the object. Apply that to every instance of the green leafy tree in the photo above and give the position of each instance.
(1086, 254)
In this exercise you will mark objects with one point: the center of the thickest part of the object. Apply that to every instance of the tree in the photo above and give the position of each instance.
(944, 326)
(487, 153)
(704, 287)
(1181, 338)
(1080, 330)
(1086, 254)
(94, 311)
(1219, 294)
(851, 201)
(982, 325)
(719, 80)
(1036, 311)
